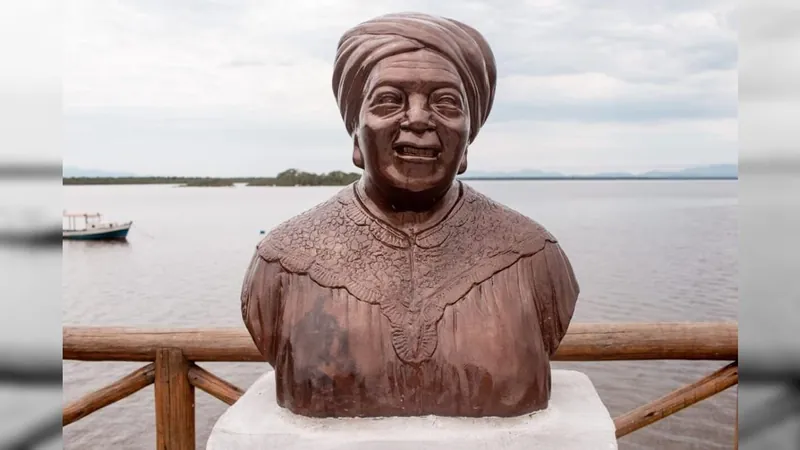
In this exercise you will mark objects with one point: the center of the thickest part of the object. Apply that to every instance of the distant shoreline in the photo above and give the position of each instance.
(599, 178)
(297, 177)
(227, 182)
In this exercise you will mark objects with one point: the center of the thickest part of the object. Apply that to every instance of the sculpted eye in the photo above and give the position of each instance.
(388, 98)
(447, 100)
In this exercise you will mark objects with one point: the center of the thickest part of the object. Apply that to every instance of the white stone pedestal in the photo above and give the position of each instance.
(575, 420)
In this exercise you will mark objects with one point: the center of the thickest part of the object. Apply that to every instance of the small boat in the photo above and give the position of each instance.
(94, 228)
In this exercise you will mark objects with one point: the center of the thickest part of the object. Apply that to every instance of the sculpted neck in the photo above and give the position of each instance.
(406, 211)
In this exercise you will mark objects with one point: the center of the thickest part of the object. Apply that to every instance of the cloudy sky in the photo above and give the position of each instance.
(242, 87)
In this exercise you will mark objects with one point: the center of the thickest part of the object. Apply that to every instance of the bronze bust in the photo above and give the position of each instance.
(409, 293)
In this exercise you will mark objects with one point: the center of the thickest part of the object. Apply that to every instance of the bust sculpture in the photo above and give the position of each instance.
(409, 293)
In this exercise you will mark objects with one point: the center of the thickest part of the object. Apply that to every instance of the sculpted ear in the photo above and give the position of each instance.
(358, 158)
(463, 166)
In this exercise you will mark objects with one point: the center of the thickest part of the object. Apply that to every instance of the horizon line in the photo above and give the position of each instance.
(605, 173)
(21, 170)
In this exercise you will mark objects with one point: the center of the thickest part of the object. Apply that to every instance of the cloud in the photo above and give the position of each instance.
(585, 147)
(598, 97)
(233, 76)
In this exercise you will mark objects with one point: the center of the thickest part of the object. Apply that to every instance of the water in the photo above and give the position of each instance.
(642, 250)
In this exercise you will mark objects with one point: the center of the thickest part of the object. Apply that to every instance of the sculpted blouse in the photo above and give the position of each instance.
(360, 319)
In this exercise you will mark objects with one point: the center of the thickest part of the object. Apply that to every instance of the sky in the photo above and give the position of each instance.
(242, 87)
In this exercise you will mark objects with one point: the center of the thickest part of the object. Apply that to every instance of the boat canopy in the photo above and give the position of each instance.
(82, 214)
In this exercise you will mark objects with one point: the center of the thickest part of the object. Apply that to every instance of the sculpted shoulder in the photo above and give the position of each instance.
(492, 218)
(305, 237)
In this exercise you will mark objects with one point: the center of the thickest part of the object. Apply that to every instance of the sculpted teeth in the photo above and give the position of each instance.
(414, 151)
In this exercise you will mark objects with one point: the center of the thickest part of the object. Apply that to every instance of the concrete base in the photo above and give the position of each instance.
(575, 420)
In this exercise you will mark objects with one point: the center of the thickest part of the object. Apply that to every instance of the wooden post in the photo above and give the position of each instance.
(174, 401)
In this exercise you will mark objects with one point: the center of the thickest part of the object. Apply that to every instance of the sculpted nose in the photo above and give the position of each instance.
(418, 118)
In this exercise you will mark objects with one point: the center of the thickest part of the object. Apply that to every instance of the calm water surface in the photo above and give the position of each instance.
(642, 250)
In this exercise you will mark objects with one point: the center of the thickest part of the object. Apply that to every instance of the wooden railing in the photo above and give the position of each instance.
(172, 356)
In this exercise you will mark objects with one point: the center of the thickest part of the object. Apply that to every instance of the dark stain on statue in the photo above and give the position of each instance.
(327, 365)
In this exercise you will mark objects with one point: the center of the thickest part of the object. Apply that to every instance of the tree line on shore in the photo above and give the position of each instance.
(290, 177)
(295, 177)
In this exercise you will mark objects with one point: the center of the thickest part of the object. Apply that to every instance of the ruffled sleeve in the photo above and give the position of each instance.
(261, 297)
(556, 292)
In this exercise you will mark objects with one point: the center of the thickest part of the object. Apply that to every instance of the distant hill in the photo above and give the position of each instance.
(725, 171)
(526, 173)
(77, 172)
(713, 171)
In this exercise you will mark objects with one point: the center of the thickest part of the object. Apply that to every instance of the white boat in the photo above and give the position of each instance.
(94, 228)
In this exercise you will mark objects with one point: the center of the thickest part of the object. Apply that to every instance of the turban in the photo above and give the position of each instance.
(366, 44)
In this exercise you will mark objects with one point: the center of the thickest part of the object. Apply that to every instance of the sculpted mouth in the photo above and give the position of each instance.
(420, 153)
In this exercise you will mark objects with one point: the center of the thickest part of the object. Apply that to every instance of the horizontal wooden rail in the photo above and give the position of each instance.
(135, 344)
(677, 400)
(114, 392)
(583, 342)
(648, 341)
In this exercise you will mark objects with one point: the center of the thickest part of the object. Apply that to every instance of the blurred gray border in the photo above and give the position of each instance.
(30, 175)
(769, 228)
(769, 205)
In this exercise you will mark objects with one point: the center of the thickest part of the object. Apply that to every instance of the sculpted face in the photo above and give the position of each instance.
(414, 124)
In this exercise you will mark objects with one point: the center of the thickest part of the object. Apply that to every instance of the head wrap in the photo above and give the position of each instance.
(366, 44)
